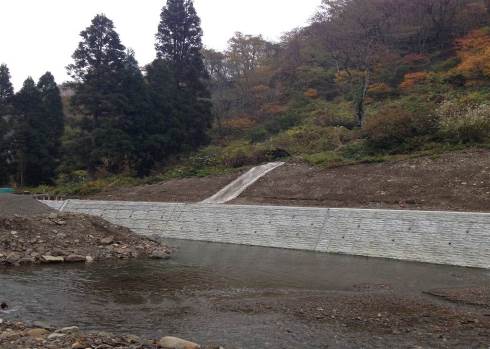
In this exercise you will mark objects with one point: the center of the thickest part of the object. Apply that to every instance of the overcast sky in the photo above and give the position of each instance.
(37, 36)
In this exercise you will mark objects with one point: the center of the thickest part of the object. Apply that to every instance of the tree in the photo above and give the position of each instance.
(6, 95)
(31, 144)
(474, 53)
(354, 35)
(98, 71)
(54, 116)
(179, 46)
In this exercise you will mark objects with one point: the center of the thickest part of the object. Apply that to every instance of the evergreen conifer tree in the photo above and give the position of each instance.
(179, 46)
(54, 117)
(6, 95)
(34, 163)
(98, 70)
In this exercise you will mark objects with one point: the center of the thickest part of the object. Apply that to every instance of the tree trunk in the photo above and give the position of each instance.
(359, 103)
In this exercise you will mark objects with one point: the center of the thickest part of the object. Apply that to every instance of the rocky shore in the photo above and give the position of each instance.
(69, 238)
(41, 336)
(31, 233)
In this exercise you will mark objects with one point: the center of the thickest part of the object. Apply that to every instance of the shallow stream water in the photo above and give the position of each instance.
(179, 296)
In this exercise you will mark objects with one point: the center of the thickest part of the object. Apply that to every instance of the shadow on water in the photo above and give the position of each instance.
(178, 297)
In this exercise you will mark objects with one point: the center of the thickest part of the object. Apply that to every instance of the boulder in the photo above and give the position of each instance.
(52, 259)
(160, 254)
(74, 258)
(56, 335)
(78, 345)
(37, 332)
(107, 241)
(177, 343)
(13, 258)
(71, 329)
(27, 260)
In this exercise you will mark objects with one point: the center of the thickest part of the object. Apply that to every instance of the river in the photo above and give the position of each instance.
(193, 294)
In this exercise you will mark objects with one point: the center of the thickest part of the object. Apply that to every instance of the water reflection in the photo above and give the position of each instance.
(177, 297)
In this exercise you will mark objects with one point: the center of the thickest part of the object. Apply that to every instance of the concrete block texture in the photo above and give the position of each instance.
(452, 238)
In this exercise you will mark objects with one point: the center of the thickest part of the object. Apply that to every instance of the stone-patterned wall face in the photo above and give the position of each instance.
(435, 237)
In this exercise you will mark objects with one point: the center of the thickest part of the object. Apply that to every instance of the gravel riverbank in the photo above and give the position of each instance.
(41, 336)
(31, 233)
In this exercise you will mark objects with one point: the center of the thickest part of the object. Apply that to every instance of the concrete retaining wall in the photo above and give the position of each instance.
(435, 237)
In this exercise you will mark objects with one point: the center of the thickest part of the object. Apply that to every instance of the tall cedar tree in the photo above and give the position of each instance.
(6, 95)
(99, 72)
(139, 122)
(179, 46)
(55, 118)
(34, 163)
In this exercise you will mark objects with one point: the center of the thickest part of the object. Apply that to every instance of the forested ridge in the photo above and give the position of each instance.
(365, 80)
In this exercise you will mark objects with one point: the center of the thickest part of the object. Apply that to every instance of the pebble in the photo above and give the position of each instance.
(107, 241)
(56, 335)
(177, 343)
(70, 329)
(52, 259)
(73, 258)
(37, 332)
(78, 345)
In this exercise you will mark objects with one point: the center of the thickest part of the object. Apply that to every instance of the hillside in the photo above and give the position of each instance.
(452, 181)
(343, 99)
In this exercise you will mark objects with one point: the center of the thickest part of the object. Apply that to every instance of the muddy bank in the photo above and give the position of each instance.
(20, 336)
(31, 233)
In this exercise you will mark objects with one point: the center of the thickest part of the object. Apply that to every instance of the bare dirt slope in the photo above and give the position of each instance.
(452, 181)
(21, 205)
(176, 190)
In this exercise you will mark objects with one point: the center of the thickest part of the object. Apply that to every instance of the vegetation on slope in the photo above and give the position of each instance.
(363, 82)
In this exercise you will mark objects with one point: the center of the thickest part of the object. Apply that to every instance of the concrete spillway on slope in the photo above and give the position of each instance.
(238, 186)
(453, 238)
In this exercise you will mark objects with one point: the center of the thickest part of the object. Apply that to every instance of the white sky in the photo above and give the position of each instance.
(41, 35)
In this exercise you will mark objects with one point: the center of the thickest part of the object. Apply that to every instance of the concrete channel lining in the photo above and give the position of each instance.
(451, 238)
(239, 185)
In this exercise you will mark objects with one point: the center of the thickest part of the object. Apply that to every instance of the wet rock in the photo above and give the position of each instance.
(89, 259)
(107, 241)
(177, 343)
(78, 345)
(71, 329)
(27, 260)
(13, 258)
(160, 254)
(37, 332)
(42, 324)
(56, 336)
(52, 259)
(74, 258)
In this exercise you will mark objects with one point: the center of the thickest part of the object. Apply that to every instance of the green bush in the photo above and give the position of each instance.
(283, 122)
(464, 123)
(395, 127)
(258, 135)
(323, 158)
(310, 139)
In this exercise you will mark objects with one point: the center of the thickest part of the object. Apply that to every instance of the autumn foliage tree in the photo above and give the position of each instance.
(474, 54)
